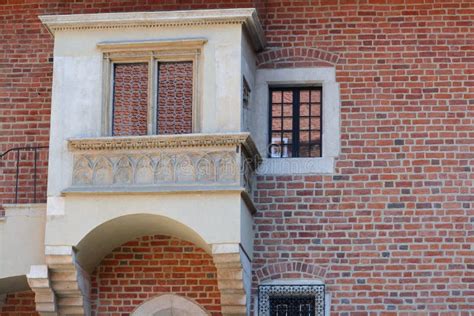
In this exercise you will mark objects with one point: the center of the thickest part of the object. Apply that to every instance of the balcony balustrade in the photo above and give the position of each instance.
(191, 162)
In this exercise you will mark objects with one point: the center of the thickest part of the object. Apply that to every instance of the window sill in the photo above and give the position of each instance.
(292, 166)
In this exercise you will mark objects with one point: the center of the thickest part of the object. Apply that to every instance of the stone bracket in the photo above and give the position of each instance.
(45, 298)
(233, 278)
(69, 283)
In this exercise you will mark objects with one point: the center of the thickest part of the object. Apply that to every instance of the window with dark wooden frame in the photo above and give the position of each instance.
(295, 122)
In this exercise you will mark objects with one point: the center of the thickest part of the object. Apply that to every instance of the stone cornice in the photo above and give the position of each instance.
(165, 141)
(247, 17)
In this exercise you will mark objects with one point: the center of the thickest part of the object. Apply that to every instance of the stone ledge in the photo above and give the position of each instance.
(247, 17)
(151, 189)
(127, 143)
(27, 209)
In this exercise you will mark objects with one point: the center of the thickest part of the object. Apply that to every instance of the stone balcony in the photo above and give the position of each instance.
(162, 163)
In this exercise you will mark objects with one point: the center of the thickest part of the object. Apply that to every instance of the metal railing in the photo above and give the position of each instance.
(18, 159)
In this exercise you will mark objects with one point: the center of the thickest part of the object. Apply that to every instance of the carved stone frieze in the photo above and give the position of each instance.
(104, 169)
(164, 160)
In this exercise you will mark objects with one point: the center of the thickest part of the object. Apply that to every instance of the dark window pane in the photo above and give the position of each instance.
(315, 109)
(304, 123)
(130, 99)
(315, 151)
(315, 96)
(304, 96)
(296, 122)
(276, 110)
(288, 124)
(276, 124)
(315, 123)
(292, 306)
(288, 110)
(277, 97)
(304, 109)
(288, 97)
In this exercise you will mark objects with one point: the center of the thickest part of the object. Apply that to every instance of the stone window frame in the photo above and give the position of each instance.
(331, 129)
(296, 283)
(152, 53)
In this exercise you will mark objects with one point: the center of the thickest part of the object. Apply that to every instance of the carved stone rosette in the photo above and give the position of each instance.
(193, 160)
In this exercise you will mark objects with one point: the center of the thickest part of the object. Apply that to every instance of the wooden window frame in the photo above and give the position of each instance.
(152, 53)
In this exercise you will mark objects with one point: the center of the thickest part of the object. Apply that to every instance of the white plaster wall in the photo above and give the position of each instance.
(77, 85)
(246, 230)
(214, 217)
(249, 67)
(21, 238)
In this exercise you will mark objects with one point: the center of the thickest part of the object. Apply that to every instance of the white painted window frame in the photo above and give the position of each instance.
(331, 131)
(296, 282)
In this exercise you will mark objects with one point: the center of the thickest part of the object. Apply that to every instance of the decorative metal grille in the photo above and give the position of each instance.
(291, 300)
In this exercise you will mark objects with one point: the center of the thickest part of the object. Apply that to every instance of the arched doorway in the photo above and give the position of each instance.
(169, 305)
(157, 273)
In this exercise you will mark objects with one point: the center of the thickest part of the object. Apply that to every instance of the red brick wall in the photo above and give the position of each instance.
(153, 265)
(19, 304)
(130, 101)
(393, 228)
(175, 98)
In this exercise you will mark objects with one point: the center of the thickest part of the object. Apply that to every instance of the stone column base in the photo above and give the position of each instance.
(61, 286)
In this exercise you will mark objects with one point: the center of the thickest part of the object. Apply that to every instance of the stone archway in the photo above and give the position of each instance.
(169, 304)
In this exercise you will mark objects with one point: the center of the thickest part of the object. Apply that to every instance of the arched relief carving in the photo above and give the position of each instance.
(165, 168)
(227, 169)
(164, 172)
(205, 169)
(123, 171)
(83, 169)
(184, 168)
(144, 171)
(103, 171)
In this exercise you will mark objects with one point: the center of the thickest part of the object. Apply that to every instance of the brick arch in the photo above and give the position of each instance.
(296, 57)
(289, 270)
(151, 266)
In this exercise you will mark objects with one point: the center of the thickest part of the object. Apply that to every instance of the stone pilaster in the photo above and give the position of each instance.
(233, 278)
(68, 280)
(45, 299)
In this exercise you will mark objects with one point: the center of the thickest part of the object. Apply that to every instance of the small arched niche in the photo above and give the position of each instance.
(169, 305)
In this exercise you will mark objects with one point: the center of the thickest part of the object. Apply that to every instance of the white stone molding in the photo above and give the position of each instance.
(247, 17)
(68, 280)
(331, 132)
(233, 277)
(45, 298)
(155, 45)
(169, 304)
(164, 141)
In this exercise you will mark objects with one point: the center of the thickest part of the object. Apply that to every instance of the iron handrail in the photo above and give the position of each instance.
(18, 150)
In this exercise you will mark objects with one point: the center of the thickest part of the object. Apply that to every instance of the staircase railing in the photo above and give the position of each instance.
(16, 166)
